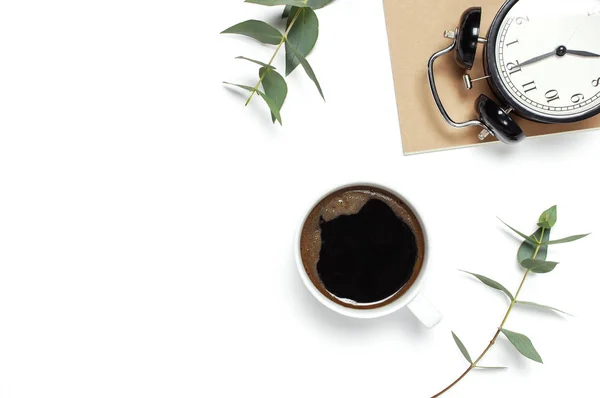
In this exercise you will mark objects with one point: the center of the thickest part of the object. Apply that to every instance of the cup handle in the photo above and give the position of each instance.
(425, 312)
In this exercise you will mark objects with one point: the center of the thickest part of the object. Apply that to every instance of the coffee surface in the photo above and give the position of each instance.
(362, 247)
(368, 256)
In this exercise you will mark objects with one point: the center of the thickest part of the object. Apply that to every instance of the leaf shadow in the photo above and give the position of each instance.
(499, 293)
(247, 39)
(236, 92)
(510, 356)
(508, 232)
(541, 312)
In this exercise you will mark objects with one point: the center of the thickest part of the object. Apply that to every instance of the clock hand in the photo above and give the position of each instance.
(561, 51)
(538, 58)
(582, 53)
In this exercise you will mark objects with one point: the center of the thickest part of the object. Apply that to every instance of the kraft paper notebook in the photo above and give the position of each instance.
(415, 31)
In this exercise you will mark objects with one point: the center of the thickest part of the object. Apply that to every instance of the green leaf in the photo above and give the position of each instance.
(251, 89)
(258, 30)
(286, 12)
(490, 367)
(521, 234)
(270, 3)
(523, 345)
(308, 69)
(314, 4)
(491, 283)
(548, 218)
(527, 249)
(530, 303)
(566, 240)
(275, 87)
(539, 266)
(269, 101)
(302, 36)
(462, 348)
(272, 106)
(256, 62)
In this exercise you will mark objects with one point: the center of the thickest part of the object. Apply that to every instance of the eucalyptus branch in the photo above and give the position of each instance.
(531, 255)
(493, 341)
(283, 40)
(299, 38)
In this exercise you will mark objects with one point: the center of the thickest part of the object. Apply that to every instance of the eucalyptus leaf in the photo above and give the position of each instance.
(269, 101)
(523, 344)
(251, 89)
(532, 304)
(320, 3)
(462, 348)
(275, 87)
(286, 12)
(566, 240)
(314, 4)
(302, 36)
(272, 106)
(491, 367)
(527, 249)
(258, 30)
(491, 283)
(256, 62)
(308, 69)
(539, 266)
(521, 234)
(270, 3)
(548, 218)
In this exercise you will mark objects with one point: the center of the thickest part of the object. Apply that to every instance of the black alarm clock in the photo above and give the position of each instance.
(541, 59)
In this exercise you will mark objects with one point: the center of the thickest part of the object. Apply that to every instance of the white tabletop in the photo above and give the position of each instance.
(147, 218)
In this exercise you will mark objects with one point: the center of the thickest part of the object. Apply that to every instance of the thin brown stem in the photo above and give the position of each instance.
(493, 340)
(455, 382)
(283, 40)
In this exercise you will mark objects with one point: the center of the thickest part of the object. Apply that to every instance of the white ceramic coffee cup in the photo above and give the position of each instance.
(413, 299)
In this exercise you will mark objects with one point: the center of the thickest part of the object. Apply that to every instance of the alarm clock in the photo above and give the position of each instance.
(541, 60)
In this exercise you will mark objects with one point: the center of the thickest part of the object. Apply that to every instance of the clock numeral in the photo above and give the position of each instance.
(521, 20)
(513, 67)
(552, 95)
(596, 82)
(512, 42)
(529, 86)
(577, 98)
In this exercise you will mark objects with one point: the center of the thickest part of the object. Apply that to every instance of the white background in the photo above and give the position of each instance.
(147, 217)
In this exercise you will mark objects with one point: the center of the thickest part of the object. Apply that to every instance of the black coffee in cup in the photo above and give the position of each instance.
(362, 247)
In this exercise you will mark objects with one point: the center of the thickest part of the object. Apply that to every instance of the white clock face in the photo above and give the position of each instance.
(548, 56)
